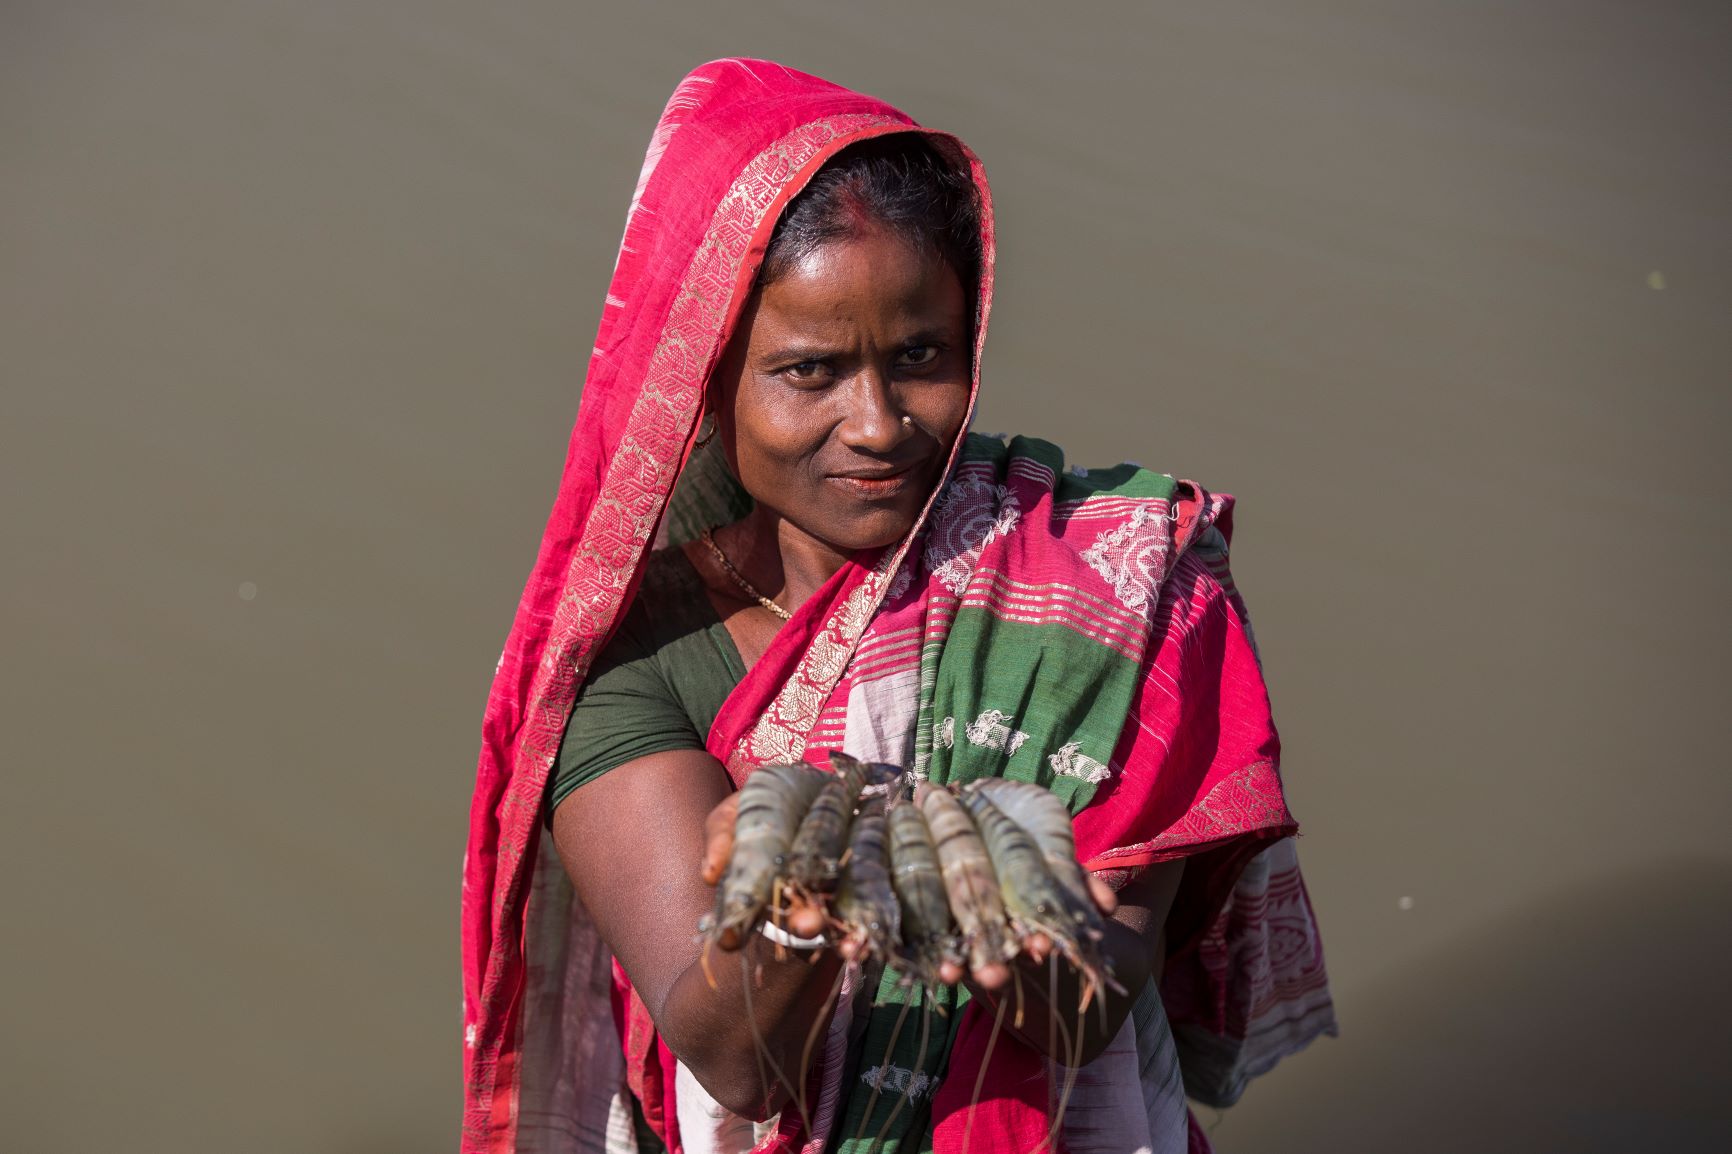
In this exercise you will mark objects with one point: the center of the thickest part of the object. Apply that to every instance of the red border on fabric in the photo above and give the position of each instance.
(520, 727)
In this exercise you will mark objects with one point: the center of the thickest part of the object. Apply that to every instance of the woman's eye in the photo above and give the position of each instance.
(805, 370)
(920, 355)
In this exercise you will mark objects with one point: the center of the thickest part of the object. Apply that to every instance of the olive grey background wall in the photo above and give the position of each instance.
(295, 300)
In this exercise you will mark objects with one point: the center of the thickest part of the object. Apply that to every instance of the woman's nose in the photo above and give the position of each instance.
(875, 421)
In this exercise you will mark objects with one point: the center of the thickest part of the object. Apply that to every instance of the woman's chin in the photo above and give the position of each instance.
(875, 529)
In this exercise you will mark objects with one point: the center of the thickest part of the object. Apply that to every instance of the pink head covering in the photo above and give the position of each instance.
(737, 140)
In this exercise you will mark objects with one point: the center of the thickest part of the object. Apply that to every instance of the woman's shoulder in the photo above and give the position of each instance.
(1122, 535)
(671, 602)
(658, 684)
(672, 629)
(1004, 479)
(1008, 458)
(668, 572)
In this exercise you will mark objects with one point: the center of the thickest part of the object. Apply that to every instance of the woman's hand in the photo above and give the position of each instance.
(628, 839)
(1037, 945)
(1133, 948)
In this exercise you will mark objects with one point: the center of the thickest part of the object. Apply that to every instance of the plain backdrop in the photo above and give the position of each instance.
(295, 300)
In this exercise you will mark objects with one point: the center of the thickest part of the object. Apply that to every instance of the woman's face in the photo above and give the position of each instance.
(829, 360)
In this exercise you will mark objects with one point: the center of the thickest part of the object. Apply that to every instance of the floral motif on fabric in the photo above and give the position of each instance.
(944, 732)
(900, 584)
(973, 511)
(1072, 762)
(915, 1084)
(828, 662)
(1132, 557)
(992, 730)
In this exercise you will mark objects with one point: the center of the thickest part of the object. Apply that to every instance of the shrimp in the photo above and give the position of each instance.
(772, 802)
(816, 851)
(1035, 901)
(815, 856)
(866, 911)
(969, 879)
(1044, 817)
(928, 934)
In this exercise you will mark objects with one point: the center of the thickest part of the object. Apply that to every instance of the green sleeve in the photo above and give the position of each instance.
(625, 710)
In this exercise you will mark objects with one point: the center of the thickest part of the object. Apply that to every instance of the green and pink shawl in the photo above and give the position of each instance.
(1069, 627)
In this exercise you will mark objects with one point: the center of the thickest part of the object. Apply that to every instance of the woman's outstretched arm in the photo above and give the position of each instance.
(633, 841)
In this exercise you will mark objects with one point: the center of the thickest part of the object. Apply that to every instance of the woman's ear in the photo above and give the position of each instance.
(706, 431)
(721, 389)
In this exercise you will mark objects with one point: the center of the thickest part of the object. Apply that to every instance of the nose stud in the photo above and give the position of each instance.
(907, 421)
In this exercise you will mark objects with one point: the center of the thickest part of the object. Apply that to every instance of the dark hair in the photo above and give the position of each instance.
(899, 181)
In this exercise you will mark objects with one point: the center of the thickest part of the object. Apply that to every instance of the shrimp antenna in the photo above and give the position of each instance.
(762, 1051)
(759, 1050)
(1073, 1066)
(914, 1074)
(818, 1023)
(980, 1078)
(1072, 1051)
(883, 1069)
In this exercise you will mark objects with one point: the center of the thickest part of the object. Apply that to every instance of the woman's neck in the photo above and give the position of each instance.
(787, 564)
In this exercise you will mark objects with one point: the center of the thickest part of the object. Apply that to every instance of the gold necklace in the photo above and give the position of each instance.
(745, 585)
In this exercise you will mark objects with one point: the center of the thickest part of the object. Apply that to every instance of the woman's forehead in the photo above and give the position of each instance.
(876, 276)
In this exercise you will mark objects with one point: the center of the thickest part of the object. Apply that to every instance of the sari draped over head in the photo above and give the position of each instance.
(1075, 628)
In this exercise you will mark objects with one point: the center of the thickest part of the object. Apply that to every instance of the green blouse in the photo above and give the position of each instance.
(658, 684)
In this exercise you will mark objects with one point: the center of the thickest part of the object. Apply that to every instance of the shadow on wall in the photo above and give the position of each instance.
(1598, 1021)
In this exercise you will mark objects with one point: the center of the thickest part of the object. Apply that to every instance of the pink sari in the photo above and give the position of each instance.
(557, 1046)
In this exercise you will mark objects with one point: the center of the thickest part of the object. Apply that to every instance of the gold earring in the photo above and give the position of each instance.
(706, 438)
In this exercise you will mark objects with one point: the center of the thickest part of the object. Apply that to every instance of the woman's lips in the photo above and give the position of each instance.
(876, 486)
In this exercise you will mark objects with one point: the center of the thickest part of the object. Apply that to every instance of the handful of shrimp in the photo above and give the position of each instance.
(928, 880)
(794, 830)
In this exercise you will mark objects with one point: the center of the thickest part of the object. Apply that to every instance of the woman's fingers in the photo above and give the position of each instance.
(805, 920)
(1103, 894)
(719, 838)
(992, 976)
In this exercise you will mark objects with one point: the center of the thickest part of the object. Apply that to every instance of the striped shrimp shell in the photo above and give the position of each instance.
(928, 933)
(1033, 898)
(1044, 817)
(866, 909)
(969, 879)
(772, 802)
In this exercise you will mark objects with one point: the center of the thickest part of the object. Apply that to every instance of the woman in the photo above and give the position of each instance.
(774, 538)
